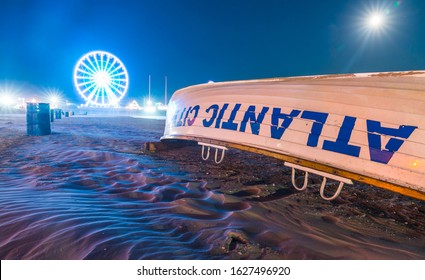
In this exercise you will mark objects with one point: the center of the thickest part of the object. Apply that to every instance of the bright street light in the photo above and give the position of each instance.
(6, 100)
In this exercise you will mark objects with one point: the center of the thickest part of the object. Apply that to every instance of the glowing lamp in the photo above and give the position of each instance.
(6, 100)
(150, 109)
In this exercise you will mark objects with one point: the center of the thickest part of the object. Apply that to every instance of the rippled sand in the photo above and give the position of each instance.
(89, 191)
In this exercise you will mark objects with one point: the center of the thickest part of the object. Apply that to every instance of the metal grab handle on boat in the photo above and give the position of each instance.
(322, 190)
(217, 147)
(325, 176)
(208, 152)
(305, 180)
(222, 155)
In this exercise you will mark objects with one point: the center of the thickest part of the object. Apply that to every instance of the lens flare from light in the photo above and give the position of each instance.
(9, 94)
(54, 97)
(376, 20)
(6, 100)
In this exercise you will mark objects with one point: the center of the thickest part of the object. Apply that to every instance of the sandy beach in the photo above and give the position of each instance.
(91, 191)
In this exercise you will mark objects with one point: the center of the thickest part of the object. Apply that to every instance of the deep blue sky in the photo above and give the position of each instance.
(193, 41)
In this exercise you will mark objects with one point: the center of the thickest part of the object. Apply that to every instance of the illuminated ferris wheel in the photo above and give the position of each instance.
(101, 79)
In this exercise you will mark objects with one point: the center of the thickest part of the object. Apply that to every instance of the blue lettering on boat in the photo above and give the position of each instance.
(281, 121)
(375, 130)
(316, 128)
(341, 144)
(276, 130)
(253, 119)
(230, 124)
(194, 111)
(214, 108)
(220, 115)
(180, 121)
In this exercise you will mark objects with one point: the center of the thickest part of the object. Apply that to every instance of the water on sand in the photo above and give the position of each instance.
(88, 192)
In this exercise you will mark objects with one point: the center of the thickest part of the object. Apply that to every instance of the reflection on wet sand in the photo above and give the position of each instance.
(88, 192)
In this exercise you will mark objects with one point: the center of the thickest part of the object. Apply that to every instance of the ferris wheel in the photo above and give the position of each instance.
(101, 79)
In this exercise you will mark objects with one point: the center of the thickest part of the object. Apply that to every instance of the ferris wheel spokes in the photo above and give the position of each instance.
(101, 79)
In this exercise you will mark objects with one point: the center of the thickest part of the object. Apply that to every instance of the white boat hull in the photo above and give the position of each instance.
(370, 125)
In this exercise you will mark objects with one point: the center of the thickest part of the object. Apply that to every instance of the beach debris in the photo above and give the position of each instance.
(233, 239)
(168, 145)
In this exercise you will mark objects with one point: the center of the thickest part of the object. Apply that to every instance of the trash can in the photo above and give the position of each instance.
(38, 119)
(58, 114)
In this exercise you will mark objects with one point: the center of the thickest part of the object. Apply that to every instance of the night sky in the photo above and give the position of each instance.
(194, 41)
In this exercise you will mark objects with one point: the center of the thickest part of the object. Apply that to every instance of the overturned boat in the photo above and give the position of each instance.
(367, 127)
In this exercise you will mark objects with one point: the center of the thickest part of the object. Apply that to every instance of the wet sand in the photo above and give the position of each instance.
(90, 191)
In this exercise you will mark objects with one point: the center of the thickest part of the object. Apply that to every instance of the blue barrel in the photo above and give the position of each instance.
(38, 119)
(58, 114)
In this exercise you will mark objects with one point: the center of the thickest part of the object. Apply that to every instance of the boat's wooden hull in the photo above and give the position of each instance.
(372, 125)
